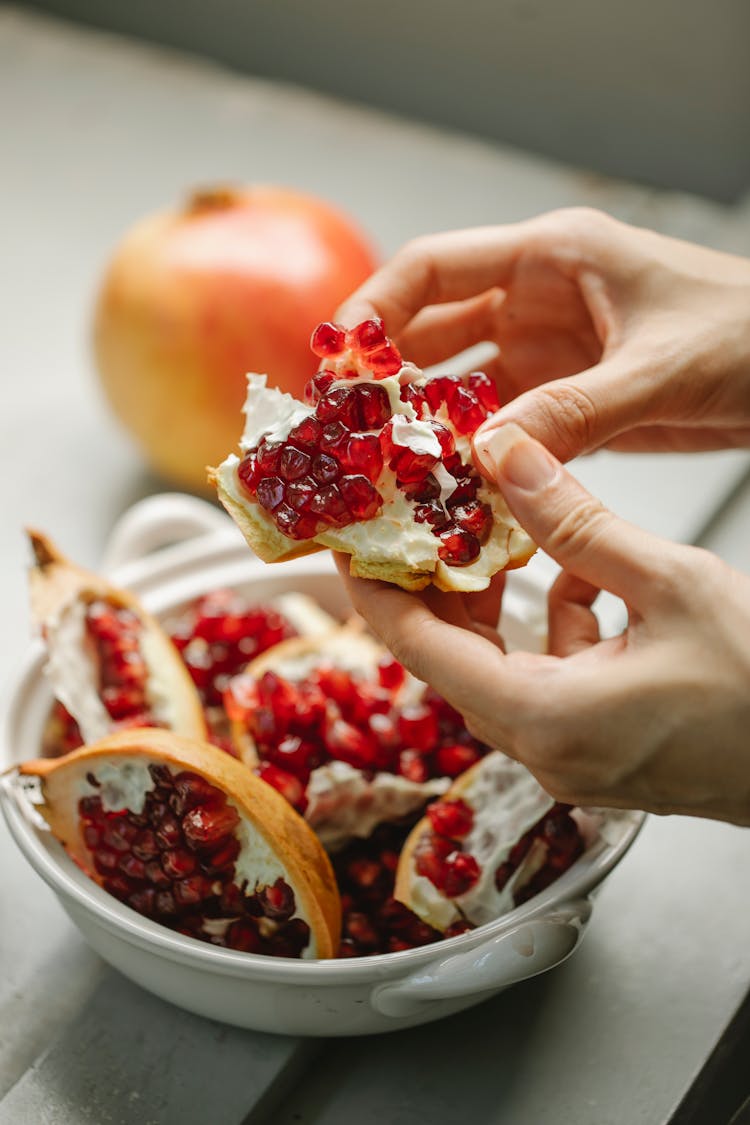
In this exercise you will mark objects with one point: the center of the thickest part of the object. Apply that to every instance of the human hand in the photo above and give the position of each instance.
(656, 718)
(609, 335)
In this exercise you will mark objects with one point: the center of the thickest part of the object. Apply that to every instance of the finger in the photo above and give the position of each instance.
(484, 606)
(441, 331)
(569, 524)
(572, 624)
(452, 266)
(582, 412)
(461, 665)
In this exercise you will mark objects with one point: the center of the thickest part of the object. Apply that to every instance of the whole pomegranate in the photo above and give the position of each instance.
(234, 281)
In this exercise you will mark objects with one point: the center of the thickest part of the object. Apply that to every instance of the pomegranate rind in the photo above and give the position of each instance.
(56, 583)
(442, 910)
(285, 833)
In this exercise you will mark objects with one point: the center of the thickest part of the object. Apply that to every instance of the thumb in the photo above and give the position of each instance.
(574, 528)
(579, 414)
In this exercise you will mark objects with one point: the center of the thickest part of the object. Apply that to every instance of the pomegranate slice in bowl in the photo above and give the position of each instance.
(111, 663)
(345, 733)
(377, 464)
(491, 843)
(184, 834)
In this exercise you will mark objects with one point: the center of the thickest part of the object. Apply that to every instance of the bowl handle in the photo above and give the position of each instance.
(528, 949)
(158, 521)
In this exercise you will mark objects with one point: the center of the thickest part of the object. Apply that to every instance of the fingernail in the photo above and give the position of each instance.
(513, 456)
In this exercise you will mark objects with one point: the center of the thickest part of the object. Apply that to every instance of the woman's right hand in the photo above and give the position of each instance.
(609, 335)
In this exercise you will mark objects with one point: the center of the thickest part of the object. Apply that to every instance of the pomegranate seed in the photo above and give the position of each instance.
(340, 405)
(330, 505)
(412, 465)
(360, 929)
(445, 437)
(105, 861)
(455, 758)
(366, 336)
(297, 755)
(465, 411)
(424, 490)
(461, 926)
(132, 867)
(278, 901)
(360, 497)
(321, 381)
(334, 436)
(243, 936)
(156, 874)
(433, 513)
(413, 395)
(248, 473)
(328, 339)
(177, 863)
(391, 674)
(418, 727)
(143, 901)
(290, 939)
(460, 874)
(286, 783)
(362, 454)
(440, 389)
(374, 405)
(364, 872)
(294, 463)
(384, 729)
(325, 469)
(268, 456)
(474, 517)
(384, 361)
(458, 547)
(90, 808)
(168, 831)
(485, 390)
(465, 491)
(347, 744)
(296, 525)
(190, 789)
(119, 834)
(299, 493)
(451, 818)
(91, 836)
(503, 874)
(164, 903)
(430, 858)
(188, 892)
(120, 701)
(204, 827)
(412, 765)
(270, 493)
(306, 434)
(223, 857)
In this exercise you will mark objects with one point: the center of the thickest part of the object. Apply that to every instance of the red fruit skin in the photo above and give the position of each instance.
(193, 298)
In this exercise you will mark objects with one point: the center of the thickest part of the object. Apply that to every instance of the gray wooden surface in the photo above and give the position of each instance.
(95, 133)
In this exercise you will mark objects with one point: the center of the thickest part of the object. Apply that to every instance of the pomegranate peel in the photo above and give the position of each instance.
(110, 661)
(223, 850)
(491, 842)
(376, 463)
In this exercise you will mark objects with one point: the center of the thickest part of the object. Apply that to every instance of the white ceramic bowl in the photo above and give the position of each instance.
(348, 997)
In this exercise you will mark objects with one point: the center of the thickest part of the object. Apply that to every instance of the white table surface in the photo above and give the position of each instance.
(96, 132)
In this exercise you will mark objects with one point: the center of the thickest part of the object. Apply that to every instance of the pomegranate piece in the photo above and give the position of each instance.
(328, 340)
(174, 858)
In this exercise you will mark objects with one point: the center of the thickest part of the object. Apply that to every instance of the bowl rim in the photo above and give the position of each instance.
(149, 577)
